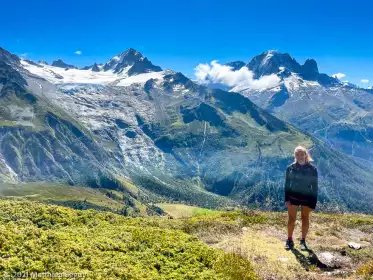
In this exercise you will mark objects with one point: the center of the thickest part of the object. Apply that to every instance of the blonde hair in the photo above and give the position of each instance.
(301, 148)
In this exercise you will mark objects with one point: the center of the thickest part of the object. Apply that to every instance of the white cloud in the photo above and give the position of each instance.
(364, 81)
(23, 55)
(240, 79)
(339, 76)
(78, 52)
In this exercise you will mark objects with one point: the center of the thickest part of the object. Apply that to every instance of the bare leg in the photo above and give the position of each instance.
(292, 213)
(306, 211)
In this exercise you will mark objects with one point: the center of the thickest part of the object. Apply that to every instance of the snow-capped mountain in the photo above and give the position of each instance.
(117, 71)
(336, 112)
(131, 62)
(169, 136)
(282, 64)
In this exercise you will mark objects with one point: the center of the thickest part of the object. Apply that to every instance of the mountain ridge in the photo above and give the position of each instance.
(338, 112)
(274, 62)
(130, 62)
(182, 141)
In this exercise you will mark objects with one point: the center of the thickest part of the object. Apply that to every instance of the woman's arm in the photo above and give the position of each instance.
(315, 184)
(287, 184)
(315, 188)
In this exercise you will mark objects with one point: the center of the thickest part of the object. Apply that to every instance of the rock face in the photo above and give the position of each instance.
(43, 62)
(269, 63)
(61, 64)
(236, 65)
(8, 58)
(310, 70)
(132, 61)
(93, 67)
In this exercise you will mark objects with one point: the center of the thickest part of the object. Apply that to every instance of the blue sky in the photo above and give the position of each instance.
(181, 34)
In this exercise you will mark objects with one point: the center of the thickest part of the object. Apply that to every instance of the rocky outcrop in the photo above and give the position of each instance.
(61, 64)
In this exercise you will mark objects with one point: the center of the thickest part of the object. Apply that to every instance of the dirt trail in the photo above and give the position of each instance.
(264, 246)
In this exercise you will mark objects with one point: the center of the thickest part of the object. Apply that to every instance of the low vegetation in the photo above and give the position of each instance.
(188, 242)
(258, 236)
(39, 238)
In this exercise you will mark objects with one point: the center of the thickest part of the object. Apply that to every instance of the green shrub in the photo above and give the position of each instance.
(366, 270)
(36, 237)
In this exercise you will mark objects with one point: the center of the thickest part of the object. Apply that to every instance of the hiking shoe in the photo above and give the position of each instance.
(303, 245)
(289, 244)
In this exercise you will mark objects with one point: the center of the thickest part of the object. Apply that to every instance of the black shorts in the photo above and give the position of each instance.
(295, 201)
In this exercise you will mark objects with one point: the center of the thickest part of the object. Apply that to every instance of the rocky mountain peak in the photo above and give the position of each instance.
(236, 65)
(8, 57)
(310, 71)
(269, 63)
(131, 61)
(124, 59)
(43, 62)
(61, 64)
(283, 65)
(93, 67)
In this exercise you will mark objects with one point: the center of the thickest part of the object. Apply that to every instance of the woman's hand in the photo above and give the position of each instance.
(287, 203)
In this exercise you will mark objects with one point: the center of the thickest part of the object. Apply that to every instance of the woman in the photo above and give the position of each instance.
(301, 188)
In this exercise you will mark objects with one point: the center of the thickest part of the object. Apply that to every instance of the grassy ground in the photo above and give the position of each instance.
(189, 243)
(181, 210)
(60, 193)
(259, 237)
(40, 238)
(78, 197)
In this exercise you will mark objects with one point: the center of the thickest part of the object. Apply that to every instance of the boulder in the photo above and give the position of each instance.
(354, 245)
(333, 260)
